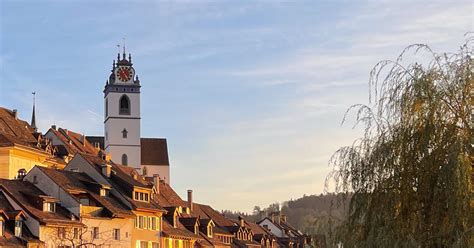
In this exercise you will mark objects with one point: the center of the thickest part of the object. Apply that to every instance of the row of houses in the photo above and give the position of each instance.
(61, 189)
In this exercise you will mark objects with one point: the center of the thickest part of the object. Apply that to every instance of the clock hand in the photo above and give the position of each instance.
(122, 74)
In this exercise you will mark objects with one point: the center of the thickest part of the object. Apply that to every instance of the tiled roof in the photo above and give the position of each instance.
(9, 239)
(122, 179)
(20, 192)
(69, 180)
(168, 197)
(218, 218)
(180, 231)
(154, 151)
(74, 142)
(15, 127)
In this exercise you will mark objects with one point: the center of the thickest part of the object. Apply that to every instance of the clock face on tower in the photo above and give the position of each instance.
(124, 74)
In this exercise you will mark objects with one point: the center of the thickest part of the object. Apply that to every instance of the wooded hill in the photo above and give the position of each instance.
(315, 215)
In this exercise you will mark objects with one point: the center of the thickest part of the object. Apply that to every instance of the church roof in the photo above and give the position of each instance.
(154, 151)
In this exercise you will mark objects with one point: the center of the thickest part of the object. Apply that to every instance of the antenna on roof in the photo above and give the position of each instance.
(123, 48)
(33, 115)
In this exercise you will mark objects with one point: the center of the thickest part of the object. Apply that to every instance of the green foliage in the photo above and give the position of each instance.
(410, 174)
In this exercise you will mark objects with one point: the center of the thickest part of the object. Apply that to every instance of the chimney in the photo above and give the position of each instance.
(53, 127)
(83, 140)
(156, 183)
(242, 222)
(106, 170)
(273, 217)
(283, 218)
(190, 199)
(15, 113)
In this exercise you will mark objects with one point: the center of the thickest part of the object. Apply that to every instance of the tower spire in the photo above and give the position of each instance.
(124, 54)
(33, 115)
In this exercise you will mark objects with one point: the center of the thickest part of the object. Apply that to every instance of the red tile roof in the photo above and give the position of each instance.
(14, 127)
(20, 191)
(154, 151)
(69, 180)
(74, 142)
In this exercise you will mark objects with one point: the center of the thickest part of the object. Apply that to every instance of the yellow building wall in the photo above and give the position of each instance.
(177, 243)
(14, 158)
(145, 234)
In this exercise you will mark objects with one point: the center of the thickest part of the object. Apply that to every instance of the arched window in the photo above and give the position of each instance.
(124, 159)
(124, 105)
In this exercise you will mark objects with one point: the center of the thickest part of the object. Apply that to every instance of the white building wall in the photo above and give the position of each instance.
(273, 229)
(115, 123)
(162, 170)
(32, 224)
(49, 187)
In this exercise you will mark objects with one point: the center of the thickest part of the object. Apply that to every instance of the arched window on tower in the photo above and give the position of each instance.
(124, 108)
(124, 159)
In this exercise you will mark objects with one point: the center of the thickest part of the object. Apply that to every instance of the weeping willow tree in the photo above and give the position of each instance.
(410, 173)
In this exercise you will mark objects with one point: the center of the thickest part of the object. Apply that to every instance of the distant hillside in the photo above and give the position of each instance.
(315, 214)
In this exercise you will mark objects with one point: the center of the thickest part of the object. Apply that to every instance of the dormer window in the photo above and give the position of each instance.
(209, 231)
(2, 226)
(49, 207)
(18, 227)
(175, 220)
(141, 196)
(104, 192)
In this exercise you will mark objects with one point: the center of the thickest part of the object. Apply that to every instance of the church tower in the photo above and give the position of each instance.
(122, 113)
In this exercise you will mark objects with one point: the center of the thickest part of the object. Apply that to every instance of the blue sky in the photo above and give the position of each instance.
(249, 94)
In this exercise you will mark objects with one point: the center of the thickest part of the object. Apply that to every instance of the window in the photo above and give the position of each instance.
(209, 231)
(106, 107)
(143, 244)
(61, 232)
(95, 232)
(18, 227)
(104, 192)
(124, 159)
(49, 207)
(141, 222)
(116, 234)
(76, 232)
(124, 105)
(124, 133)
(2, 227)
(175, 220)
(155, 245)
(153, 223)
(140, 196)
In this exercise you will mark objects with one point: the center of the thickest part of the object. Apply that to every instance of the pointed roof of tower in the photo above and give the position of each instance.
(33, 115)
